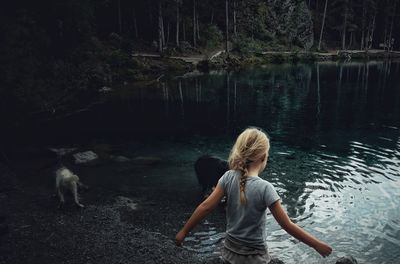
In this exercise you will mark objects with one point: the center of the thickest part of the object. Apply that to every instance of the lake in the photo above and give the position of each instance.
(334, 158)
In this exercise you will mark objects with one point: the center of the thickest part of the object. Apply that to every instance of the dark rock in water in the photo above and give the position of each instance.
(209, 170)
(276, 261)
(346, 260)
(85, 157)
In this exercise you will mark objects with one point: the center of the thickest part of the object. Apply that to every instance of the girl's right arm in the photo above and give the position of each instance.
(201, 211)
(284, 221)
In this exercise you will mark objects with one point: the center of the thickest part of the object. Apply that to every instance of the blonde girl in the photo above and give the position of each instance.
(248, 198)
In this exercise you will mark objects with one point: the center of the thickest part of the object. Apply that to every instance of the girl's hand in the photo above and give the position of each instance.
(180, 237)
(323, 249)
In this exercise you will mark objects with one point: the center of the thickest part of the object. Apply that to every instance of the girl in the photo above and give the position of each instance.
(248, 198)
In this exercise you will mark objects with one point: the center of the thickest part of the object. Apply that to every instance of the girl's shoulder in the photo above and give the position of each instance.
(229, 175)
(232, 173)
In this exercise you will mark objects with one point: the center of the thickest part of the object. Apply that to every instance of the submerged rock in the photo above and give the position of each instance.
(119, 158)
(346, 260)
(62, 151)
(85, 157)
(276, 261)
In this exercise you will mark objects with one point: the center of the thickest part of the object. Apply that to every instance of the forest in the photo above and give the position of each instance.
(78, 45)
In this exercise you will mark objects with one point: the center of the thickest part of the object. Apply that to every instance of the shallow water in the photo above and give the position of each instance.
(335, 155)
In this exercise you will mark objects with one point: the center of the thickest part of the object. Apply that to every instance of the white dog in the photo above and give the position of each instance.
(66, 180)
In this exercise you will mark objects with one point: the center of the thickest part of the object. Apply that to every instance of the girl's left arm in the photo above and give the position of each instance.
(284, 221)
(206, 207)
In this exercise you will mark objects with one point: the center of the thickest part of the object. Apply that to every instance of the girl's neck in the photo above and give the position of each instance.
(253, 171)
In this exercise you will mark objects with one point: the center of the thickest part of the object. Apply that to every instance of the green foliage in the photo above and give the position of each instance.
(118, 58)
(211, 36)
(252, 20)
(247, 45)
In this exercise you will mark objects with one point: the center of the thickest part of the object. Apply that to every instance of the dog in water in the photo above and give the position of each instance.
(67, 181)
(209, 169)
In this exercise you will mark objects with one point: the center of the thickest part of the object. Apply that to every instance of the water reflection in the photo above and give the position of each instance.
(292, 102)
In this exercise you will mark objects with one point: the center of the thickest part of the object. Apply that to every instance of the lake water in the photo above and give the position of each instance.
(334, 160)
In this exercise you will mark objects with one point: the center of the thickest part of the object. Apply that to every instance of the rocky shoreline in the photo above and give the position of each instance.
(153, 66)
(37, 232)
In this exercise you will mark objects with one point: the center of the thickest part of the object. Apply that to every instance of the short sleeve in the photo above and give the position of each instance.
(223, 180)
(270, 194)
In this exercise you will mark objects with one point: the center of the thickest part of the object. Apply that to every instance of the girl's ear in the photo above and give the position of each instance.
(263, 157)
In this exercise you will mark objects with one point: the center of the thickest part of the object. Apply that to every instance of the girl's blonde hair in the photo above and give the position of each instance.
(250, 146)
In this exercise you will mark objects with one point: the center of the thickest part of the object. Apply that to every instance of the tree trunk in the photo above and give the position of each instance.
(183, 30)
(167, 41)
(163, 32)
(160, 28)
(135, 28)
(197, 27)
(234, 18)
(385, 36)
(226, 27)
(344, 26)
(371, 38)
(364, 14)
(390, 48)
(177, 24)
(150, 13)
(351, 40)
(119, 17)
(322, 27)
(194, 23)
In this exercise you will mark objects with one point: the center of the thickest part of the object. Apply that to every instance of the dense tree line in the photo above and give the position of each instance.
(358, 24)
(343, 24)
(67, 24)
(70, 43)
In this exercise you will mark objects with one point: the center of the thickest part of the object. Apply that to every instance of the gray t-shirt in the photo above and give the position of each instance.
(246, 223)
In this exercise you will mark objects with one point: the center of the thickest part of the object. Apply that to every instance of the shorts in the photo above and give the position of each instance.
(234, 252)
(230, 257)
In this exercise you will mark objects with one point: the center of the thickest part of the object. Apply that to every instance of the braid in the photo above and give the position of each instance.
(243, 199)
(242, 167)
(250, 146)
